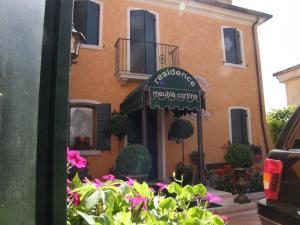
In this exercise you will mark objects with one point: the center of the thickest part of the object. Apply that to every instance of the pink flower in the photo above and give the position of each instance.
(213, 198)
(109, 177)
(76, 199)
(130, 181)
(224, 218)
(73, 197)
(68, 191)
(137, 201)
(151, 189)
(98, 183)
(68, 181)
(75, 159)
(161, 186)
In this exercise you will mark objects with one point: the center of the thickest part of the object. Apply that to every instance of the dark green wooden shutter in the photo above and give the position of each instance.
(150, 38)
(239, 126)
(237, 38)
(86, 20)
(137, 41)
(232, 45)
(80, 15)
(244, 122)
(93, 12)
(103, 113)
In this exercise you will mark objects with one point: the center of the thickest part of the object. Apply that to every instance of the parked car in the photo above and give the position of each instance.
(281, 204)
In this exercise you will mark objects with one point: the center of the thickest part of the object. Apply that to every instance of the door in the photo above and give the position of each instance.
(136, 136)
(142, 42)
(152, 141)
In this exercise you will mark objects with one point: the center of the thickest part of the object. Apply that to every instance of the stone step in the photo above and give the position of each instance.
(230, 208)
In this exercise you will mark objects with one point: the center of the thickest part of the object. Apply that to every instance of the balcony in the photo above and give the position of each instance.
(137, 61)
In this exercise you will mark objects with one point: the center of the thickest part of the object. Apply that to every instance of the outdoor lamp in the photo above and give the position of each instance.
(76, 40)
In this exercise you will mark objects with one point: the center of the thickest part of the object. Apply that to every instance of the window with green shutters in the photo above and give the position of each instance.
(88, 124)
(86, 18)
(239, 126)
(232, 45)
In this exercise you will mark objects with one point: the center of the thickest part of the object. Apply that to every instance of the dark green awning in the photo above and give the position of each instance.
(171, 88)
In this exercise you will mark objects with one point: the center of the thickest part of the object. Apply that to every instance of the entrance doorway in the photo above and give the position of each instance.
(136, 137)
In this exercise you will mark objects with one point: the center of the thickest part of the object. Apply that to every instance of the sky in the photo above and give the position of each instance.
(279, 43)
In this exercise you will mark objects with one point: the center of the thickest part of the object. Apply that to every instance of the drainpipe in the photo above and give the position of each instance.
(259, 86)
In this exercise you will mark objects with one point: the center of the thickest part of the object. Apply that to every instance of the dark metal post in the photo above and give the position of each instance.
(144, 120)
(201, 170)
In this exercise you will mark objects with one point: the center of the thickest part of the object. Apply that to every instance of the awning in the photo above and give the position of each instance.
(171, 87)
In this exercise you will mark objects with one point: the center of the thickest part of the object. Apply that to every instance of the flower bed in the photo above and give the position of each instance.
(224, 179)
(113, 201)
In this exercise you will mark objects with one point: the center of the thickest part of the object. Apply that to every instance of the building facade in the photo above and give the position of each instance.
(291, 78)
(129, 40)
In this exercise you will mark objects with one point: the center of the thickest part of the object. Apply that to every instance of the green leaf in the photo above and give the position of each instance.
(192, 221)
(168, 203)
(161, 223)
(92, 198)
(83, 190)
(187, 193)
(195, 212)
(174, 188)
(199, 189)
(103, 220)
(88, 218)
(142, 189)
(188, 189)
(123, 218)
(217, 220)
(76, 182)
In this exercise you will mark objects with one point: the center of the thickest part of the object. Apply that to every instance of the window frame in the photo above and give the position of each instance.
(248, 122)
(241, 43)
(100, 34)
(91, 105)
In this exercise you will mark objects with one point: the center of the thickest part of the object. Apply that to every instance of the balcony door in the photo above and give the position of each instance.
(142, 42)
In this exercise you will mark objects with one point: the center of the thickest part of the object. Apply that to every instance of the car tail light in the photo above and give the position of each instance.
(272, 178)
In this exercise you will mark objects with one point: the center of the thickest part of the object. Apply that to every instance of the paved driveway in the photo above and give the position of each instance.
(246, 218)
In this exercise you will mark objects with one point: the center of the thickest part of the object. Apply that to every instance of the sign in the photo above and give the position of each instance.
(174, 88)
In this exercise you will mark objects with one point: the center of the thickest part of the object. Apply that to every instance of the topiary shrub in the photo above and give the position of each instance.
(119, 125)
(239, 155)
(181, 129)
(134, 159)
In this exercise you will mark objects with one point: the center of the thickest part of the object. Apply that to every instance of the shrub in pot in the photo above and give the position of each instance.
(180, 130)
(134, 161)
(119, 125)
(239, 156)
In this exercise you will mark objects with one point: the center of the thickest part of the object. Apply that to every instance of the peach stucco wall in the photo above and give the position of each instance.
(201, 53)
(293, 91)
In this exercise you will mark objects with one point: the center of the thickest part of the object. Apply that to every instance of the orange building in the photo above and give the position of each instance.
(291, 78)
(127, 41)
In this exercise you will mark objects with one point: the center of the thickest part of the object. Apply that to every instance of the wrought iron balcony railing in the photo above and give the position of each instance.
(143, 57)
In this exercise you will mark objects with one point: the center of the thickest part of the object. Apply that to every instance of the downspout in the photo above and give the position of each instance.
(259, 86)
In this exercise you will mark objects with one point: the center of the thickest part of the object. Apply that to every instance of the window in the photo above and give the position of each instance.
(86, 19)
(239, 126)
(88, 125)
(232, 46)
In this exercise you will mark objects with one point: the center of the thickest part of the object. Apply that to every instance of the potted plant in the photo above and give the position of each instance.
(180, 130)
(241, 158)
(119, 125)
(184, 173)
(134, 161)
